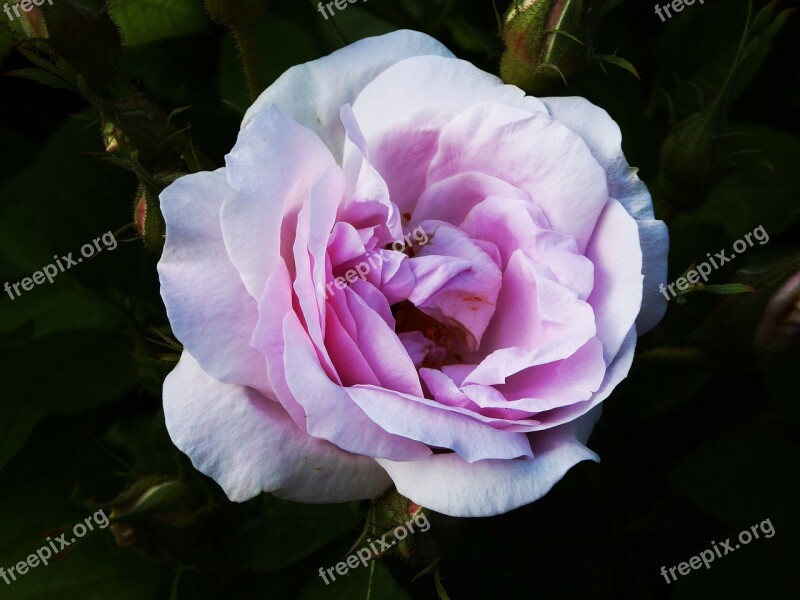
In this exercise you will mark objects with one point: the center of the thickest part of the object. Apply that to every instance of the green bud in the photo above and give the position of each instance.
(147, 215)
(111, 137)
(32, 23)
(687, 156)
(236, 14)
(403, 524)
(159, 516)
(546, 42)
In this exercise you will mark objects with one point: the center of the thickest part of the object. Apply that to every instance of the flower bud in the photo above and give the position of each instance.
(402, 524)
(147, 210)
(31, 22)
(687, 155)
(158, 516)
(236, 14)
(111, 137)
(546, 41)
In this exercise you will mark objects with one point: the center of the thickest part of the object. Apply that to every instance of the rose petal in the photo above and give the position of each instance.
(616, 372)
(209, 308)
(432, 82)
(313, 93)
(330, 412)
(436, 202)
(441, 427)
(249, 445)
(537, 321)
(514, 225)
(272, 167)
(617, 295)
(535, 153)
(604, 139)
(448, 484)
(464, 299)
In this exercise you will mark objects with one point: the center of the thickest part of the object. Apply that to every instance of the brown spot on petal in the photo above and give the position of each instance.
(475, 301)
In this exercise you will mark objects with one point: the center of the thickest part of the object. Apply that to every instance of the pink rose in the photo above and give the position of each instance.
(466, 369)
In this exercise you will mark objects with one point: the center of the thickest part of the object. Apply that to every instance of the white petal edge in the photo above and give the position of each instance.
(208, 306)
(449, 485)
(313, 93)
(604, 139)
(249, 444)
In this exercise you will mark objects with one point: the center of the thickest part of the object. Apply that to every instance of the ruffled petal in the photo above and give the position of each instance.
(272, 167)
(535, 153)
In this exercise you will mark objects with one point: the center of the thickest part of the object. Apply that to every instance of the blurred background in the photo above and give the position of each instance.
(104, 104)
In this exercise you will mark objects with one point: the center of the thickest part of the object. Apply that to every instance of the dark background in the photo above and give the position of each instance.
(699, 443)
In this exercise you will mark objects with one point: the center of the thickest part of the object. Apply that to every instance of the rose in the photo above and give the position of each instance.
(467, 371)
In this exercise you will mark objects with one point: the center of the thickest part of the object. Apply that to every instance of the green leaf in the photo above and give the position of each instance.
(727, 288)
(615, 60)
(43, 77)
(146, 21)
(61, 374)
(765, 26)
(752, 194)
(280, 533)
(361, 583)
(49, 310)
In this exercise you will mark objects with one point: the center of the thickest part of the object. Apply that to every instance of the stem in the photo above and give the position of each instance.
(248, 53)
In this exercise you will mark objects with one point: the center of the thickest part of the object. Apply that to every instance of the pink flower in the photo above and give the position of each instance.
(468, 371)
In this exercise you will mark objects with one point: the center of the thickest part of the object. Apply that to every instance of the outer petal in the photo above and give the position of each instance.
(313, 93)
(448, 484)
(249, 445)
(208, 306)
(432, 82)
(604, 139)
(616, 298)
